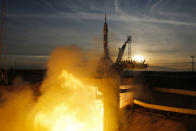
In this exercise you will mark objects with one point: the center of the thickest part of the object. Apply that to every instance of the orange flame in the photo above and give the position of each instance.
(69, 105)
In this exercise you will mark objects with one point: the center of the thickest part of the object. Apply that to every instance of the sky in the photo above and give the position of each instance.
(163, 31)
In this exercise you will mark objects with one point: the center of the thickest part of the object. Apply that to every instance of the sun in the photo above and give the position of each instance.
(138, 58)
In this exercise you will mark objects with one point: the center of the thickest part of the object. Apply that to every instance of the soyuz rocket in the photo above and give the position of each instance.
(105, 38)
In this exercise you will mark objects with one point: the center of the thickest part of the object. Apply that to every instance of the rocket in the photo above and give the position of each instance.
(105, 38)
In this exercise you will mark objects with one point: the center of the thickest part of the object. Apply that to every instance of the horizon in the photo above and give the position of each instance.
(163, 32)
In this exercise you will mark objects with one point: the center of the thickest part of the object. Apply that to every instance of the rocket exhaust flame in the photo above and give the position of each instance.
(80, 111)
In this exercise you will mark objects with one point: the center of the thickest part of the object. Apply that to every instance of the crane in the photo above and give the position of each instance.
(120, 65)
(121, 50)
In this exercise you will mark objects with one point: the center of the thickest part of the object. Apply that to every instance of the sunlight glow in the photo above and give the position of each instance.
(138, 58)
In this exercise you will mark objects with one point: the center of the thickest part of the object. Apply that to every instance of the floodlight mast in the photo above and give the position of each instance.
(192, 57)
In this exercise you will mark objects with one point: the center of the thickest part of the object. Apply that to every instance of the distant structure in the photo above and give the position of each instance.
(3, 21)
(192, 57)
(3, 66)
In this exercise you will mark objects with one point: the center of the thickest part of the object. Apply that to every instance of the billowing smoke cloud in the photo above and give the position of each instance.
(15, 105)
(65, 103)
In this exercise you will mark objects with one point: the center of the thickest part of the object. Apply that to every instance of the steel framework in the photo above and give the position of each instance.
(129, 47)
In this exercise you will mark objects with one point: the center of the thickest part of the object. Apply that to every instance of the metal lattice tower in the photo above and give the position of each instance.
(129, 47)
(3, 65)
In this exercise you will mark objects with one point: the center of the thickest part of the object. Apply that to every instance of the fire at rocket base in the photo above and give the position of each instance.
(111, 104)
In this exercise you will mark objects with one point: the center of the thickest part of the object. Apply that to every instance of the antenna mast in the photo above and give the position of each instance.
(192, 57)
(3, 66)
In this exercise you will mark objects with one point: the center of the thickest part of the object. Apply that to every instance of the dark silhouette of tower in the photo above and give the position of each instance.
(2, 27)
(192, 57)
(3, 65)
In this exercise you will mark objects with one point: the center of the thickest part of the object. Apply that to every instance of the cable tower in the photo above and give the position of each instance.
(3, 65)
